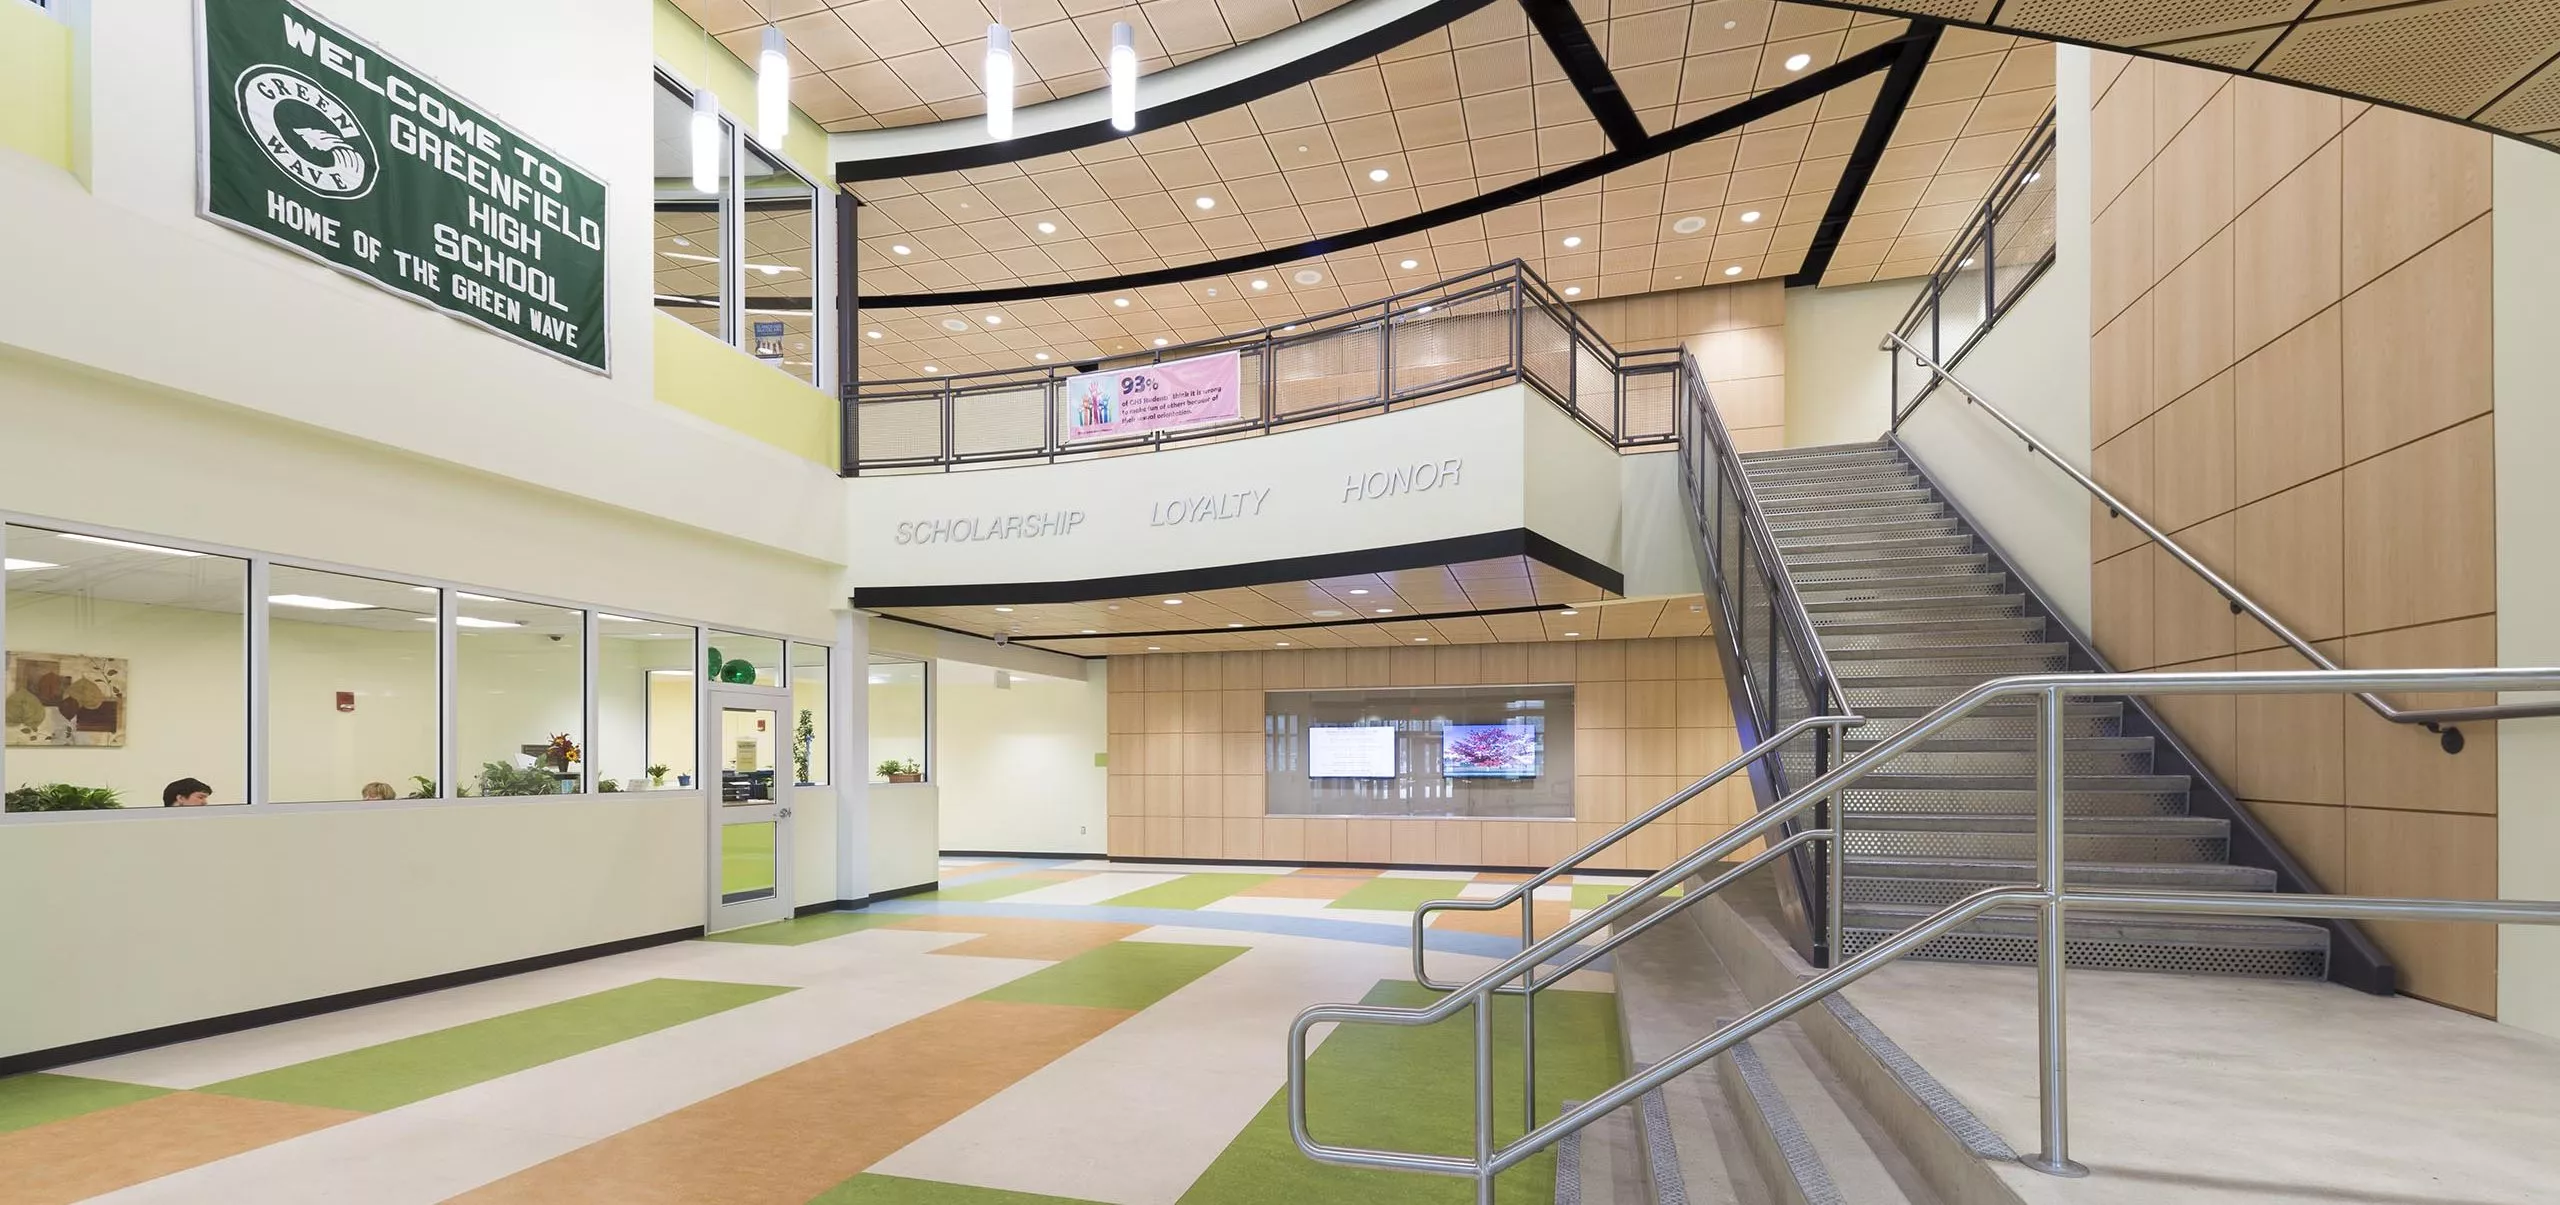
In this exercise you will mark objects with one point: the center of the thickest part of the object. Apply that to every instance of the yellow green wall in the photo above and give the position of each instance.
(702, 375)
(35, 84)
(703, 62)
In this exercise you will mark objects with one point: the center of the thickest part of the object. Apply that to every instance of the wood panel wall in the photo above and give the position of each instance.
(1737, 332)
(1650, 716)
(2291, 376)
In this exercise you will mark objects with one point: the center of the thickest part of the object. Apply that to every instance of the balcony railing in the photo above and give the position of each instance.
(1485, 328)
(2007, 243)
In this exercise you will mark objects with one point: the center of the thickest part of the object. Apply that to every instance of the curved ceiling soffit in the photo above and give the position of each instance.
(1266, 65)
(1812, 86)
(2513, 92)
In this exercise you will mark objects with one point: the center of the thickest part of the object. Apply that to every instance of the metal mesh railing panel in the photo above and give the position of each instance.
(1595, 388)
(1456, 341)
(1546, 351)
(996, 422)
(1652, 396)
(1327, 370)
(900, 429)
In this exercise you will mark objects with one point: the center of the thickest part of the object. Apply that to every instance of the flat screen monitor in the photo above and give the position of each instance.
(1351, 751)
(1491, 751)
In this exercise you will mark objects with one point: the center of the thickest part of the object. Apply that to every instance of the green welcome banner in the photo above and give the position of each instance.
(314, 140)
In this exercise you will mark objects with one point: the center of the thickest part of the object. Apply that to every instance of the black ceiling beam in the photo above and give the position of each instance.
(1900, 80)
(1733, 117)
(1586, 67)
(1349, 621)
(1280, 78)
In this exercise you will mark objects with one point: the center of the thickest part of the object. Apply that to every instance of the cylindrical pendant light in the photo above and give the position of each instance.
(773, 88)
(1124, 77)
(999, 83)
(706, 141)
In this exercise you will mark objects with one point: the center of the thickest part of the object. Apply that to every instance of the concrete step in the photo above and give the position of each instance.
(1669, 994)
(1603, 1163)
(2115, 941)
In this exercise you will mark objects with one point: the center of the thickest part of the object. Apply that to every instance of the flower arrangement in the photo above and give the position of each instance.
(563, 752)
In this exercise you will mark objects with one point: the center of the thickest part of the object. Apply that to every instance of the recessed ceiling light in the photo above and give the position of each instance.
(1386, 610)
(1280, 644)
(1689, 225)
(1798, 62)
(1751, 216)
(1422, 640)
(1048, 227)
(1205, 202)
(682, 241)
(1573, 240)
(1729, 24)
(1004, 610)
(466, 621)
(875, 334)
(1213, 290)
(1261, 284)
(313, 602)
(955, 324)
(1573, 633)
(102, 540)
(1568, 611)
(1087, 632)
(1122, 302)
(995, 319)
(931, 368)
(1161, 340)
(1235, 625)
(1355, 592)
(1302, 148)
(1155, 648)
(1308, 276)
(1173, 602)
(1039, 355)
(899, 249)
(14, 565)
(1410, 264)
(1292, 326)
(1377, 175)
(1573, 290)
(1735, 270)
(1424, 310)
(1968, 262)
(2032, 177)
(1326, 614)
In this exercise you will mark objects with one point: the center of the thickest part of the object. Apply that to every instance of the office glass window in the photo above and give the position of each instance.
(127, 670)
(738, 659)
(898, 709)
(781, 215)
(809, 741)
(692, 275)
(520, 670)
(353, 709)
(646, 673)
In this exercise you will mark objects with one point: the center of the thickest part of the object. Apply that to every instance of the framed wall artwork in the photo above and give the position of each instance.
(64, 700)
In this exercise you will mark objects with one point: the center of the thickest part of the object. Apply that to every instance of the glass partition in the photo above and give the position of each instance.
(645, 677)
(522, 707)
(691, 281)
(127, 674)
(809, 731)
(1471, 751)
(781, 269)
(899, 704)
(353, 709)
(736, 659)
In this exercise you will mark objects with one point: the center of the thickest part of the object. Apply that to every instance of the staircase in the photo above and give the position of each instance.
(1912, 609)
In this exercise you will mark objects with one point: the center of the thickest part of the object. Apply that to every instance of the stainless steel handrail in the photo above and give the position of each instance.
(2437, 720)
(2049, 896)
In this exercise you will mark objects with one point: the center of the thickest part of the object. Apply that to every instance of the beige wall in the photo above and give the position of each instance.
(2291, 374)
(1737, 332)
(1650, 716)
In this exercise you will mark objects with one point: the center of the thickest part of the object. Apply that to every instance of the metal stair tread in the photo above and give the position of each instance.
(2008, 744)
(1919, 652)
(2146, 783)
(2076, 826)
(2087, 873)
(2254, 932)
(2100, 708)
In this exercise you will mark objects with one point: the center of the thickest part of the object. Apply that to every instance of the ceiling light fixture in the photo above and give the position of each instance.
(1308, 276)
(1568, 611)
(1048, 227)
(1004, 610)
(313, 602)
(1124, 77)
(14, 565)
(1235, 625)
(1409, 265)
(995, 320)
(875, 334)
(1173, 602)
(773, 88)
(931, 368)
(1386, 610)
(105, 542)
(1689, 225)
(1422, 640)
(1355, 592)
(1573, 633)
(999, 83)
(1160, 340)
(1751, 216)
(1734, 270)
(1377, 175)
(955, 325)
(1286, 329)
(706, 142)
(1260, 285)
(1155, 648)
(1573, 240)
(604, 618)
(466, 621)
(899, 249)
(1086, 631)
(1205, 202)
(682, 241)
(1040, 355)
(1798, 62)
(1573, 290)
(1281, 644)
(1122, 302)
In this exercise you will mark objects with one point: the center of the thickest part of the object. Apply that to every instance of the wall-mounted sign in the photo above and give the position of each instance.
(1156, 397)
(769, 342)
(313, 139)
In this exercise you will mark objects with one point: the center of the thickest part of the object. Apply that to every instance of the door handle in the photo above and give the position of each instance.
(782, 813)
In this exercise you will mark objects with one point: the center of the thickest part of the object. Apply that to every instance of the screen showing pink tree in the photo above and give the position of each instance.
(1489, 751)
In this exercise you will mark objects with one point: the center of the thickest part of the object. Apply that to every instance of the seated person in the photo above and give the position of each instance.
(380, 790)
(186, 793)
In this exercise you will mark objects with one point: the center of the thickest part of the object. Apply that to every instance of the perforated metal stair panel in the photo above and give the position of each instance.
(1913, 610)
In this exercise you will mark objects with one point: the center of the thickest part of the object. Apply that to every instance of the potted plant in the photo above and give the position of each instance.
(657, 777)
(60, 797)
(499, 778)
(426, 787)
(901, 771)
(804, 737)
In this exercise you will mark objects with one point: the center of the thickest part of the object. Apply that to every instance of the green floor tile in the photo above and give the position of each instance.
(412, 1069)
(1400, 895)
(1411, 1089)
(1592, 895)
(33, 1100)
(1124, 974)
(898, 1190)
(1188, 891)
(817, 926)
